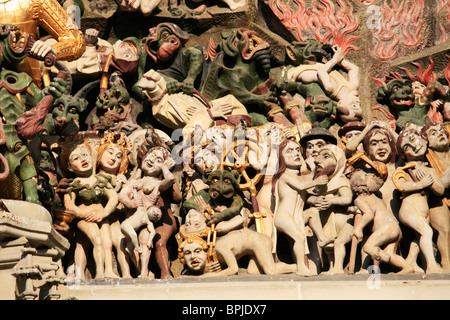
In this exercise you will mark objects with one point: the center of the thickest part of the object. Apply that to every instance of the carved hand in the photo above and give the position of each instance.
(91, 36)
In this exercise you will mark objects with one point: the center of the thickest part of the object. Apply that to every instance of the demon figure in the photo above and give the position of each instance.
(241, 68)
(17, 94)
(222, 200)
(179, 65)
(405, 107)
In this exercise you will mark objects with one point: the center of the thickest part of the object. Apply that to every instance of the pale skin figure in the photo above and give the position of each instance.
(342, 90)
(414, 208)
(383, 241)
(92, 214)
(145, 6)
(311, 151)
(270, 138)
(327, 199)
(379, 141)
(133, 194)
(141, 194)
(229, 248)
(110, 161)
(438, 143)
(290, 186)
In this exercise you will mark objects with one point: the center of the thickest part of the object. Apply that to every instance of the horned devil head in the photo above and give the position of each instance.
(222, 183)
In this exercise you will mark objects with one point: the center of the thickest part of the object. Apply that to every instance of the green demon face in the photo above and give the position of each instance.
(222, 183)
(306, 52)
(397, 94)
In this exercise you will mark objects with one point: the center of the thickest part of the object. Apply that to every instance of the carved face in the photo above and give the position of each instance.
(152, 163)
(111, 159)
(325, 163)
(418, 88)
(222, 183)
(412, 145)
(437, 137)
(249, 42)
(352, 135)
(313, 147)
(80, 161)
(446, 110)
(46, 162)
(271, 134)
(125, 51)
(195, 222)
(321, 106)
(115, 98)
(379, 148)
(168, 45)
(350, 108)
(397, 94)
(194, 256)
(291, 154)
(248, 45)
(164, 41)
(306, 52)
(363, 182)
(210, 157)
(68, 109)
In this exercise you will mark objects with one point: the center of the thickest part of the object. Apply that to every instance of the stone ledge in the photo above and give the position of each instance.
(261, 287)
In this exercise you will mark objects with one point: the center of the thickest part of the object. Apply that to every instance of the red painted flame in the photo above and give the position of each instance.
(404, 18)
(321, 19)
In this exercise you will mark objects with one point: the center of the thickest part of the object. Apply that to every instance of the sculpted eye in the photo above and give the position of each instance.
(215, 180)
(227, 181)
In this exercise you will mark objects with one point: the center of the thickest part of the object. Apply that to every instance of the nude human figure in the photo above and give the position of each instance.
(141, 196)
(85, 200)
(379, 142)
(336, 86)
(112, 160)
(438, 156)
(332, 199)
(228, 249)
(144, 216)
(386, 233)
(289, 188)
(415, 186)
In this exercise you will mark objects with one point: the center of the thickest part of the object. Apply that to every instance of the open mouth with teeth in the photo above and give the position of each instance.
(409, 101)
(318, 109)
(195, 263)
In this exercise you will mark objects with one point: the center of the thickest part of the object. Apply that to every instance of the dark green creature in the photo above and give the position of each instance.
(309, 51)
(222, 196)
(241, 66)
(17, 95)
(66, 109)
(399, 97)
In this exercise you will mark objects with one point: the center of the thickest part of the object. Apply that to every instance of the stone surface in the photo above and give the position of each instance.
(280, 287)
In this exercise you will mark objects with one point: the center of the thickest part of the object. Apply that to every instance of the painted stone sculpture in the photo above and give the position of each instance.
(85, 199)
(49, 15)
(289, 187)
(140, 197)
(416, 181)
(399, 96)
(18, 93)
(331, 200)
(382, 244)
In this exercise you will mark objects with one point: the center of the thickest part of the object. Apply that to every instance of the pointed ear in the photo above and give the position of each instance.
(82, 105)
(206, 174)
